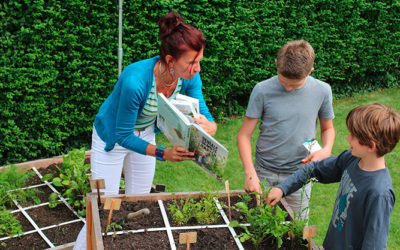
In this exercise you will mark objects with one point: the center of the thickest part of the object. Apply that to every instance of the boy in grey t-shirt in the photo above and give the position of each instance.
(365, 199)
(289, 106)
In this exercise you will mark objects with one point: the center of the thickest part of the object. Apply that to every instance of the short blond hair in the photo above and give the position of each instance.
(375, 123)
(295, 59)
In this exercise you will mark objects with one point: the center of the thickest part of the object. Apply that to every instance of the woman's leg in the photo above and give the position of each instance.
(139, 169)
(107, 166)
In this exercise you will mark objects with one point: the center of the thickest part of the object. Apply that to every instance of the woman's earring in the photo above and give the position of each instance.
(171, 71)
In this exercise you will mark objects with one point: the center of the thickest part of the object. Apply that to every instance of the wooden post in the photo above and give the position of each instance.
(111, 204)
(229, 199)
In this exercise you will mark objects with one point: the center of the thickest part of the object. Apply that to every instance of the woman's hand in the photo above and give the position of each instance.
(208, 126)
(178, 154)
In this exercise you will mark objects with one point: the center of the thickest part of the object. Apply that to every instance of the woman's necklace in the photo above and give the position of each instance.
(161, 80)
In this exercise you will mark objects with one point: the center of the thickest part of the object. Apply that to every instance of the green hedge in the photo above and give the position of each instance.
(59, 58)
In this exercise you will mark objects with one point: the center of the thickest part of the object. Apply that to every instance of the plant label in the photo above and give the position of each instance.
(187, 238)
(113, 204)
(309, 232)
(97, 184)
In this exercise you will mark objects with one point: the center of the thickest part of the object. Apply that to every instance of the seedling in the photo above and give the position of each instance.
(188, 238)
(114, 226)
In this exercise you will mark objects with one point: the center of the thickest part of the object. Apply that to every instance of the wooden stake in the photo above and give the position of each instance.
(308, 233)
(97, 184)
(229, 199)
(190, 237)
(111, 204)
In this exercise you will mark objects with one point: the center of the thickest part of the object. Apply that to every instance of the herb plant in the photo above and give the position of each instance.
(266, 222)
(11, 181)
(182, 210)
(9, 225)
(73, 176)
(205, 211)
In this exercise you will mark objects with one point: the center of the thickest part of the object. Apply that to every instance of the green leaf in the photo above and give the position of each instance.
(47, 177)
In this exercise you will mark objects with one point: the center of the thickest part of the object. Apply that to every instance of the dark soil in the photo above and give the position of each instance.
(142, 241)
(209, 238)
(29, 241)
(153, 220)
(45, 216)
(64, 234)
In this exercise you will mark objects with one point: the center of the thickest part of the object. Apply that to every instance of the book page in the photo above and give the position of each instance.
(209, 153)
(175, 125)
(193, 101)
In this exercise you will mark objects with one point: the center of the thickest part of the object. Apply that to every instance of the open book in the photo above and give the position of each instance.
(180, 129)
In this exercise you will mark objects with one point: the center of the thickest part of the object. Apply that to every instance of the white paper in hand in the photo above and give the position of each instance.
(312, 145)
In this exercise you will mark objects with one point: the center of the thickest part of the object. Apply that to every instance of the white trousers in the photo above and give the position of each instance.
(138, 170)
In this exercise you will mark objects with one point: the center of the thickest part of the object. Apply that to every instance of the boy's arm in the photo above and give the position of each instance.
(327, 138)
(251, 183)
(326, 171)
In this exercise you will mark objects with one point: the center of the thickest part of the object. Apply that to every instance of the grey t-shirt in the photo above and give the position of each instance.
(288, 119)
(364, 201)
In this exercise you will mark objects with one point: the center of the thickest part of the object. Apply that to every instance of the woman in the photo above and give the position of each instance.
(124, 128)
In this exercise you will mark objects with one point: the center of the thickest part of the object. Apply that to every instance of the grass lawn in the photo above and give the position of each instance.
(187, 176)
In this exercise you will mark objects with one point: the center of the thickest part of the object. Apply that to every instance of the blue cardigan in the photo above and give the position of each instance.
(117, 116)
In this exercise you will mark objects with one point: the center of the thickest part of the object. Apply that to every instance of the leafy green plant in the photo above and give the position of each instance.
(182, 210)
(204, 211)
(11, 181)
(73, 177)
(9, 225)
(266, 222)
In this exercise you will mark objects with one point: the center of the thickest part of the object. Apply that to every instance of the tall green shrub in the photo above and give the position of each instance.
(59, 58)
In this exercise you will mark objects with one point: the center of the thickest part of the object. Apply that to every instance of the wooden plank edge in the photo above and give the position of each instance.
(96, 237)
(41, 163)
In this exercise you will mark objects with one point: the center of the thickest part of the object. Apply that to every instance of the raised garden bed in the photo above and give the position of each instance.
(157, 230)
(43, 227)
(57, 228)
